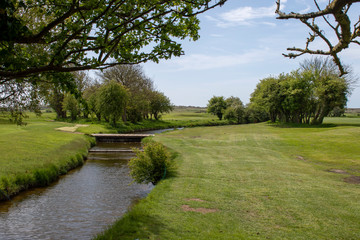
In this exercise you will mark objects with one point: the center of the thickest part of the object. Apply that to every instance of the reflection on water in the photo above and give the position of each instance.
(80, 205)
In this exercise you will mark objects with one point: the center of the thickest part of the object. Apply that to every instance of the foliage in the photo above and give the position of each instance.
(71, 104)
(235, 110)
(217, 106)
(337, 112)
(139, 86)
(90, 96)
(255, 114)
(18, 97)
(159, 103)
(303, 96)
(42, 37)
(150, 165)
(112, 100)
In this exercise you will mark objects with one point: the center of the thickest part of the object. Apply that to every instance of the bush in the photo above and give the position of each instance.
(151, 164)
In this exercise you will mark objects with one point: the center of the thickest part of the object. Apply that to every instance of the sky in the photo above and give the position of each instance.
(241, 43)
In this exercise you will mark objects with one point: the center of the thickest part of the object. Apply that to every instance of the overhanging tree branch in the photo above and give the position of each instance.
(342, 28)
(87, 34)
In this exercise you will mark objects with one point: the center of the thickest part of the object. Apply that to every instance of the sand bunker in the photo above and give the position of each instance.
(71, 129)
(337, 171)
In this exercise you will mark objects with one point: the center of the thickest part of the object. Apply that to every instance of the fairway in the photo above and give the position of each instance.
(255, 181)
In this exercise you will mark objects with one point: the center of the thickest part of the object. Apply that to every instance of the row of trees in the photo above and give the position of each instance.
(123, 92)
(306, 95)
(232, 109)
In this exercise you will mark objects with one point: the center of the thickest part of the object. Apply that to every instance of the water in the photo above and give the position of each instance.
(78, 206)
(160, 130)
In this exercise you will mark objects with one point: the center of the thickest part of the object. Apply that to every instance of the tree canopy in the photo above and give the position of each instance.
(112, 100)
(62, 36)
(306, 95)
(217, 106)
(332, 24)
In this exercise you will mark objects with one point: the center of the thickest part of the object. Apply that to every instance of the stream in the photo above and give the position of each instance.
(80, 204)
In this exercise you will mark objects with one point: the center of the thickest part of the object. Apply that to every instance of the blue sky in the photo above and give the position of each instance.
(240, 43)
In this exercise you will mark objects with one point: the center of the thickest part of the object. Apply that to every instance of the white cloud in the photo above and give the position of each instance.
(245, 16)
(216, 35)
(203, 62)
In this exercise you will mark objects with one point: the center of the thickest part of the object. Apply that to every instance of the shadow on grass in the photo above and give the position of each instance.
(299, 125)
(324, 125)
(136, 224)
(5, 121)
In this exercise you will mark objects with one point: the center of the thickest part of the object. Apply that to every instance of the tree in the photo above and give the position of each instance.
(90, 96)
(152, 164)
(70, 104)
(55, 98)
(254, 113)
(112, 99)
(139, 86)
(340, 32)
(217, 106)
(234, 110)
(159, 103)
(18, 97)
(306, 95)
(330, 90)
(53, 87)
(266, 97)
(63, 36)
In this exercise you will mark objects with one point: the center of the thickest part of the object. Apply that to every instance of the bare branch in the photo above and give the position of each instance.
(336, 8)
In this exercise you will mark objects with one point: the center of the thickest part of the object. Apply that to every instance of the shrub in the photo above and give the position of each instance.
(151, 164)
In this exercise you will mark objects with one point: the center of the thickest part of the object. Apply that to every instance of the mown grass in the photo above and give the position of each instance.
(36, 154)
(189, 113)
(180, 117)
(263, 181)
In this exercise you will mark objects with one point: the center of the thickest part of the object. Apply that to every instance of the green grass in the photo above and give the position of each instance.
(180, 117)
(189, 113)
(264, 181)
(36, 154)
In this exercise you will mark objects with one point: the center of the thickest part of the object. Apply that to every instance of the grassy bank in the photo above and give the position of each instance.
(255, 181)
(36, 154)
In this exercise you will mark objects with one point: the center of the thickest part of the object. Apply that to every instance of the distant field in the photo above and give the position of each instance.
(343, 120)
(188, 113)
(255, 181)
(352, 112)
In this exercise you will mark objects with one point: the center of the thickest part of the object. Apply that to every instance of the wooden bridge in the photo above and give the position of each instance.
(120, 137)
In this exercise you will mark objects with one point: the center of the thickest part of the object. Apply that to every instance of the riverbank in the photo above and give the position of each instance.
(37, 154)
(256, 181)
